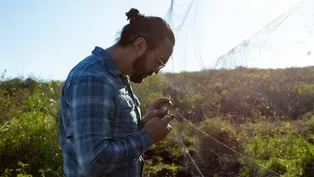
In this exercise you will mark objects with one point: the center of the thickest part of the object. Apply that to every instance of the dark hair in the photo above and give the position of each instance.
(153, 29)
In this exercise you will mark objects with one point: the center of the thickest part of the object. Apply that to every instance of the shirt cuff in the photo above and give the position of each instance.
(145, 140)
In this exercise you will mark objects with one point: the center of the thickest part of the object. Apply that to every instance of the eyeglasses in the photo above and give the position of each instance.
(161, 64)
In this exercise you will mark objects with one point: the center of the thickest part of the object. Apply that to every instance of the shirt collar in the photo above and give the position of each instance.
(108, 61)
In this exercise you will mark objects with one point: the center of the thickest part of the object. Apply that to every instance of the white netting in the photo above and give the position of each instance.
(277, 42)
(288, 36)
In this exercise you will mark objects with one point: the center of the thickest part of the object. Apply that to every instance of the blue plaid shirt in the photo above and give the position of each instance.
(99, 124)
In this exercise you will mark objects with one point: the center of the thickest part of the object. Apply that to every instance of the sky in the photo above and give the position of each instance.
(45, 39)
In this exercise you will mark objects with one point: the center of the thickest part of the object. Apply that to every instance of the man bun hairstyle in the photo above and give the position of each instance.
(153, 29)
(133, 14)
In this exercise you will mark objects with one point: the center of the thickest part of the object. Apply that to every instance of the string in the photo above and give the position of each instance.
(206, 134)
(189, 155)
(223, 59)
(247, 43)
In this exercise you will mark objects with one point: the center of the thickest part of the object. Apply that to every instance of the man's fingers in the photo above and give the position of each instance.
(166, 119)
(160, 101)
(156, 112)
(154, 119)
(160, 112)
(169, 127)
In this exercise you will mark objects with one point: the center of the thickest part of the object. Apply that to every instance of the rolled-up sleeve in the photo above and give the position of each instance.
(91, 104)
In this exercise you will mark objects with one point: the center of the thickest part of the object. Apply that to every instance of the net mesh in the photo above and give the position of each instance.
(275, 41)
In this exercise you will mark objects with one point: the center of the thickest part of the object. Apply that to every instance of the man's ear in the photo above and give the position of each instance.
(140, 46)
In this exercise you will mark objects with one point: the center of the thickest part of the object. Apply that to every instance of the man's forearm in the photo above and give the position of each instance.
(113, 153)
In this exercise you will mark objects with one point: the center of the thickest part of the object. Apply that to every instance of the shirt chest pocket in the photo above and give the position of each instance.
(127, 115)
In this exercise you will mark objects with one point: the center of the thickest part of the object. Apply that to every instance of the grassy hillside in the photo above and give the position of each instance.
(266, 115)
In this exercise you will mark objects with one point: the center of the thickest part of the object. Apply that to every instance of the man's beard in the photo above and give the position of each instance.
(139, 72)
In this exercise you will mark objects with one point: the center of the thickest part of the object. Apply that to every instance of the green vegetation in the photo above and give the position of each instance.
(266, 115)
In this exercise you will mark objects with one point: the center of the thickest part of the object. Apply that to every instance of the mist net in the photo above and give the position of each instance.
(209, 151)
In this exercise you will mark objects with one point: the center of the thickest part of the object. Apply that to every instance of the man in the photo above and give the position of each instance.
(101, 130)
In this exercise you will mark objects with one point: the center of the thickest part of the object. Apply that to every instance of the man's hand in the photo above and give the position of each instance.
(155, 110)
(158, 128)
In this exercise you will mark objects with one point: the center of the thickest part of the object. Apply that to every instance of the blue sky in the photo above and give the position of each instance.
(45, 39)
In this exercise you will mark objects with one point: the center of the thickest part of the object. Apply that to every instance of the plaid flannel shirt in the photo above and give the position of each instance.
(99, 123)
